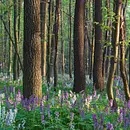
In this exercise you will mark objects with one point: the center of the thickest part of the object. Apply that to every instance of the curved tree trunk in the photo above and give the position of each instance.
(79, 60)
(115, 45)
(122, 55)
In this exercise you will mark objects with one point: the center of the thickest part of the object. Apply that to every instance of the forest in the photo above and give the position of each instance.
(64, 65)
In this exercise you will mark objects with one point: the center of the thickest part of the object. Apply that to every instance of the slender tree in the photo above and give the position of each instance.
(91, 10)
(49, 40)
(107, 40)
(52, 46)
(32, 81)
(57, 25)
(122, 54)
(15, 57)
(79, 65)
(62, 43)
(98, 78)
(43, 35)
(10, 43)
(70, 41)
(115, 47)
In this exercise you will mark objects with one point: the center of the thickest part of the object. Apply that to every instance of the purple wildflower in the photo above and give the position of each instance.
(41, 107)
(28, 108)
(128, 104)
(109, 126)
(120, 119)
(32, 99)
(95, 121)
(126, 122)
(8, 104)
(36, 100)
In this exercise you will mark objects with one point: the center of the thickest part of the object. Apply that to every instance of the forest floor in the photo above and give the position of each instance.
(63, 109)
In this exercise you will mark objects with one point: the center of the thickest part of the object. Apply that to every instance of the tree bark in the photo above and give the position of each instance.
(32, 81)
(57, 25)
(115, 44)
(49, 41)
(43, 35)
(107, 40)
(79, 60)
(15, 57)
(70, 41)
(62, 44)
(98, 78)
(10, 44)
(122, 55)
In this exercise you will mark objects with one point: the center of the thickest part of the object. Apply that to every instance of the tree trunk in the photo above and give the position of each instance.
(52, 48)
(115, 44)
(5, 39)
(70, 42)
(49, 41)
(57, 25)
(122, 55)
(93, 39)
(32, 81)
(19, 31)
(107, 40)
(79, 60)
(15, 58)
(98, 78)
(43, 36)
(10, 44)
(62, 45)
